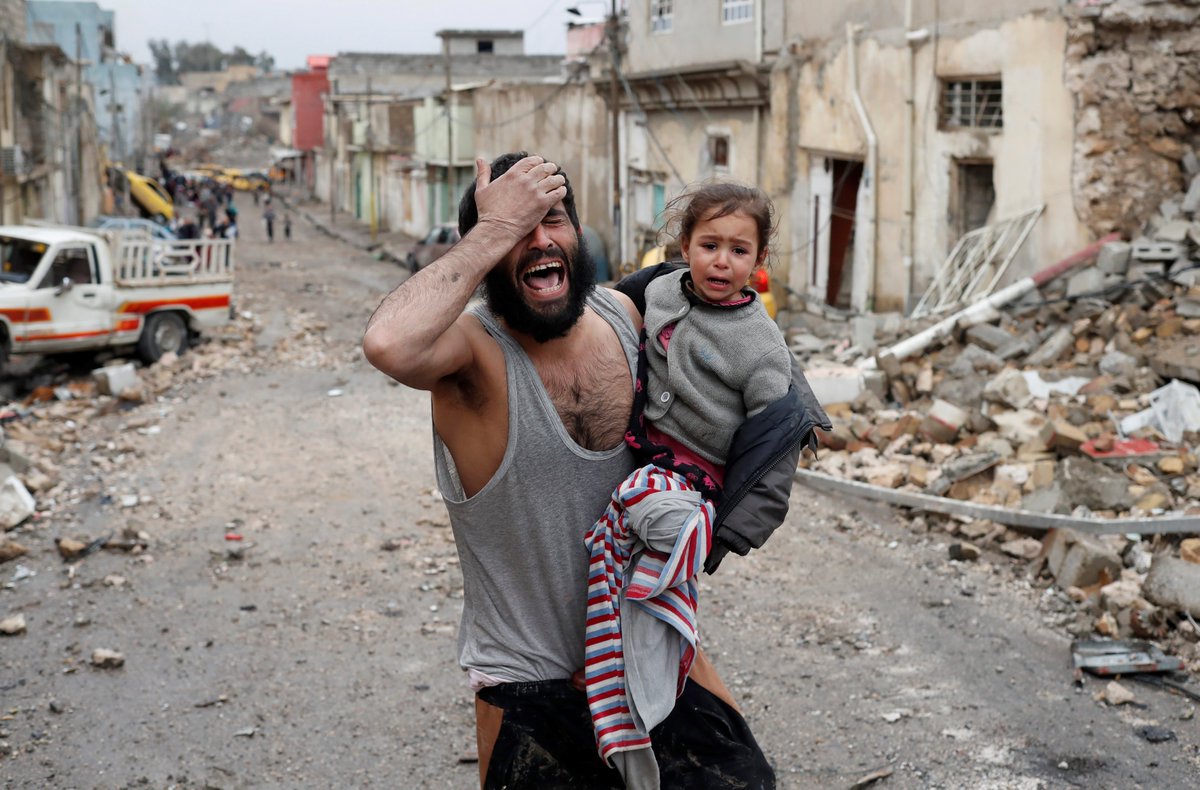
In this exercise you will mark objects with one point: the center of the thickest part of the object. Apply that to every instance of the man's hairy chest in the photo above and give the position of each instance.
(593, 396)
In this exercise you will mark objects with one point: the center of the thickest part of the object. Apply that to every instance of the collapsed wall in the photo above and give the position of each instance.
(1134, 67)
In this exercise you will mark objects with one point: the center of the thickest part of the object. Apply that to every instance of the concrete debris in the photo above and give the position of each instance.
(1080, 401)
(13, 625)
(16, 503)
(1174, 583)
(116, 379)
(103, 658)
(1116, 694)
(1077, 560)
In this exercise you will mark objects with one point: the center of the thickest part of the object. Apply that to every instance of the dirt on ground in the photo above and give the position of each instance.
(291, 620)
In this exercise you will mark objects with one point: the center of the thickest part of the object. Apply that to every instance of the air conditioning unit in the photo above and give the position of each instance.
(12, 161)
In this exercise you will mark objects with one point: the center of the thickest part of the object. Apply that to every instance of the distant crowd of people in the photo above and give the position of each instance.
(213, 213)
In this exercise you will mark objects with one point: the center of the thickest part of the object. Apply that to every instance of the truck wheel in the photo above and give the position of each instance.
(164, 332)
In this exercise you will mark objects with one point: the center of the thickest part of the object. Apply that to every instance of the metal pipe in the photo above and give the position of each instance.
(984, 309)
(613, 30)
(907, 242)
(862, 288)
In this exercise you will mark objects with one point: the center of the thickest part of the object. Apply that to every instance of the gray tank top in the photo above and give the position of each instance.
(520, 537)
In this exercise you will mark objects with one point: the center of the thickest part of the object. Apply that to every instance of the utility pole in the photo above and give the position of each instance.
(614, 105)
(450, 179)
(79, 205)
(371, 164)
(114, 122)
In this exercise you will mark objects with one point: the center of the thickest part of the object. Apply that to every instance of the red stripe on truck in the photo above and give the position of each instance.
(196, 303)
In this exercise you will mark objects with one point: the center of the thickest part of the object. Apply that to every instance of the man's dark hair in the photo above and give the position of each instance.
(468, 212)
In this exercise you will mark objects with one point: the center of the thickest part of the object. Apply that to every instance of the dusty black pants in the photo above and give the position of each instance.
(545, 740)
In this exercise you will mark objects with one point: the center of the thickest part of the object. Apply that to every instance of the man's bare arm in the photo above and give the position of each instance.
(412, 336)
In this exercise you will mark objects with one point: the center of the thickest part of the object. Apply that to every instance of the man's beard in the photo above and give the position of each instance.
(504, 295)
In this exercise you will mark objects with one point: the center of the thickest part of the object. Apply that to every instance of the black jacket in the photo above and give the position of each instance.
(763, 457)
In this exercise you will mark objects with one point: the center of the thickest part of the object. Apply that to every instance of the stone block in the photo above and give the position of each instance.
(1008, 388)
(1085, 281)
(1118, 363)
(1184, 272)
(116, 379)
(1067, 437)
(988, 336)
(1157, 250)
(1093, 485)
(16, 503)
(1044, 500)
(1022, 427)
(1174, 583)
(1173, 231)
(1052, 349)
(1191, 201)
(862, 332)
(835, 385)
(1191, 164)
(942, 422)
(1078, 560)
(1144, 270)
(1114, 257)
(876, 381)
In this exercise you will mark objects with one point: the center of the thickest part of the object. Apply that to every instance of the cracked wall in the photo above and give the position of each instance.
(1134, 68)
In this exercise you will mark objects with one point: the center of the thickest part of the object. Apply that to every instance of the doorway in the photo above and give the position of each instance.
(974, 196)
(834, 187)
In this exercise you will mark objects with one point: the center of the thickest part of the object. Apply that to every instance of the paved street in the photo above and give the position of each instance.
(319, 650)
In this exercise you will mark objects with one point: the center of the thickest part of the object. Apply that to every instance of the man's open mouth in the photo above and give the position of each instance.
(545, 278)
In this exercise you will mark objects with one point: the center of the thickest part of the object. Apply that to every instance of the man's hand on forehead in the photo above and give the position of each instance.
(521, 197)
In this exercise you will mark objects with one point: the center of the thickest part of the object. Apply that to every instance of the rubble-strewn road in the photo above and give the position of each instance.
(318, 651)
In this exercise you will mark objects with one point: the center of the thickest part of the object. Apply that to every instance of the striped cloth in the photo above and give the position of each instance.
(664, 584)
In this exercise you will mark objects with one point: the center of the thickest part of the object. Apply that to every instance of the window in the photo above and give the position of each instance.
(74, 263)
(972, 104)
(660, 15)
(718, 151)
(486, 45)
(734, 11)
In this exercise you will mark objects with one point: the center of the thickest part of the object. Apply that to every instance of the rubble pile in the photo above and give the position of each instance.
(51, 459)
(1080, 400)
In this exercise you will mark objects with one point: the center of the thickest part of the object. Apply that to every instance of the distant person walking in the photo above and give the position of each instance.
(269, 218)
(287, 225)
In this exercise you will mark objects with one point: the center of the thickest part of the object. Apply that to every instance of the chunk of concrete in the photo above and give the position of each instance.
(1174, 583)
(116, 379)
(16, 503)
(1173, 231)
(1008, 388)
(988, 336)
(1078, 560)
(836, 384)
(1114, 257)
(1085, 281)
(862, 332)
(1191, 201)
(1093, 485)
(1022, 427)
(1052, 349)
(942, 422)
(1191, 164)
(1158, 250)
(972, 359)
(1118, 363)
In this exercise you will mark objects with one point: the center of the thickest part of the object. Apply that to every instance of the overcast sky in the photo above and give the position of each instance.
(293, 29)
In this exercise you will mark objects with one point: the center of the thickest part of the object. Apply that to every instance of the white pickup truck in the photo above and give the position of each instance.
(75, 289)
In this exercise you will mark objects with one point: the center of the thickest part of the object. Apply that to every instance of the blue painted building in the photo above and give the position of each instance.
(122, 89)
